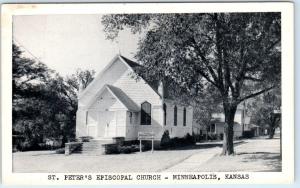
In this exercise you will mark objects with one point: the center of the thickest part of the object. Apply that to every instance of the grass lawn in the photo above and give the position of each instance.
(257, 155)
(251, 155)
(48, 161)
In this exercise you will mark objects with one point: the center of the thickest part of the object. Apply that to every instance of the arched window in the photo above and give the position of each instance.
(184, 116)
(146, 113)
(165, 113)
(175, 115)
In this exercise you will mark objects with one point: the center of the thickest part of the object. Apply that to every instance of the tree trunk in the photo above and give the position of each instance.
(271, 132)
(228, 130)
(272, 126)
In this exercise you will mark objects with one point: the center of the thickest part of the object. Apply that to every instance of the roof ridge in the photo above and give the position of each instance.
(130, 62)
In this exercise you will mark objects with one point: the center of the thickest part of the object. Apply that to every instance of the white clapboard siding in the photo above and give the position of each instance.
(106, 101)
(121, 123)
(137, 90)
(131, 133)
(110, 76)
(81, 129)
(118, 76)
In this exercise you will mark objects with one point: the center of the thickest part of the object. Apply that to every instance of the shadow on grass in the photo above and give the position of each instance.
(199, 146)
(272, 160)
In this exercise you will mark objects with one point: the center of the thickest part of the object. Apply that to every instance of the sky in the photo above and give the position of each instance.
(68, 42)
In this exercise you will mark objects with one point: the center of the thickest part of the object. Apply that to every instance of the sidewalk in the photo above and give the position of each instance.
(194, 162)
(254, 155)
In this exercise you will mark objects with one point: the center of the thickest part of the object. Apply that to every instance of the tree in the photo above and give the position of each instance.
(263, 111)
(237, 53)
(72, 84)
(30, 112)
(44, 103)
(27, 74)
(205, 104)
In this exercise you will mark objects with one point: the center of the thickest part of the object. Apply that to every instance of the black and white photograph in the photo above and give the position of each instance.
(149, 92)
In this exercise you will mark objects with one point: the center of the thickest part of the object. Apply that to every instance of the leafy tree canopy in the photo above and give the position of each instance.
(239, 54)
(44, 103)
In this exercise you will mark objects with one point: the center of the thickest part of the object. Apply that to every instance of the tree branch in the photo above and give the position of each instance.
(252, 79)
(206, 77)
(255, 94)
(273, 44)
(209, 68)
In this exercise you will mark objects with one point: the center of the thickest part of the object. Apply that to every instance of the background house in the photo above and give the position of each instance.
(215, 129)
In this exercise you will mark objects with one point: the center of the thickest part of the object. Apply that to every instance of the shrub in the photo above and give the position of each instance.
(85, 138)
(60, 151)
(136, 148)
(184, 141)
(165, 139)
(125, 149)
(111, 149)
(221, 136)
(189, 139)
(248, 134)
(213, 137)
(28, 146)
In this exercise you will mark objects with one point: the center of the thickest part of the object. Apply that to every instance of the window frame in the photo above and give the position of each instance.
(165, 114)
(184, 116)
(147, 119)
(175, 116)
(213, 127)
(130, 117)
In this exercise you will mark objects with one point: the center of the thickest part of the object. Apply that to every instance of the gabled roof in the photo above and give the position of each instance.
(131, 65)
(153, 84)
(123, 98)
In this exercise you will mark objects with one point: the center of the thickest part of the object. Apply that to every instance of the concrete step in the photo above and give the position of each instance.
(94, 147)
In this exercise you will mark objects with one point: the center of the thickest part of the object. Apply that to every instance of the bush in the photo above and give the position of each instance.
(248, 134)
(221, 136)
(60, 151)
(189, 139)
(184, 141)
(24, 146)
(165, 140)
(31, 146)
(111, 149)
(136, 148)
(125, 149)
(177, 141)
(212, 137)
(85, 138)
(34, 146)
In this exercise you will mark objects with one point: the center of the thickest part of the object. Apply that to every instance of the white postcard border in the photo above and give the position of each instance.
(286, 8)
